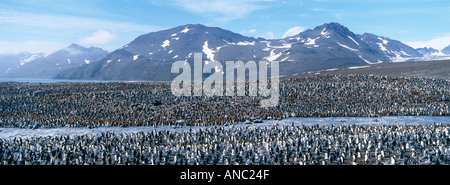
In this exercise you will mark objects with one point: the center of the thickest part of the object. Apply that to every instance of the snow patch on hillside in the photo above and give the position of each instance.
(310, 41)
(208, 52)
(186, 29)
(353, 40)
(347, 47)
(165, 43)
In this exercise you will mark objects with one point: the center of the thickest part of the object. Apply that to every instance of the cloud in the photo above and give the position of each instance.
(29, 46)
(254, 33)
(62, 30)
(99, 37)
(293, 31)
(64, 22)
(267, 35)
(222, 10)
(318, 9)
(436, 43)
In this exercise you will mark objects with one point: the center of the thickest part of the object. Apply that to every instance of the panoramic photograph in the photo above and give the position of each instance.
(238, 90)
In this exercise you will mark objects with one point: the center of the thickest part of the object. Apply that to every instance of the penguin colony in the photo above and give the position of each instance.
(53, 105)
(250, 145)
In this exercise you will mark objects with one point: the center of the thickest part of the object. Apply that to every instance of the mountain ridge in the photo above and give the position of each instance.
(63, 59)
(149, 56)
(446, 50)
(11, 62)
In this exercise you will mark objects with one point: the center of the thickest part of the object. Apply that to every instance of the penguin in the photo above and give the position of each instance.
(393, 160)
(366, 158)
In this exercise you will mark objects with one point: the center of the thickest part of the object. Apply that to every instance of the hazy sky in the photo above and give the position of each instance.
(48, 25)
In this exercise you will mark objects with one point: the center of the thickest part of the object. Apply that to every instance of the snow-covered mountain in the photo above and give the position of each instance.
(179, 43)
(431, 54)
(446, 50)
(150, 56)
(395, 50)
(332, 42)
(427, 51)
(11, 62)
(38, 66)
